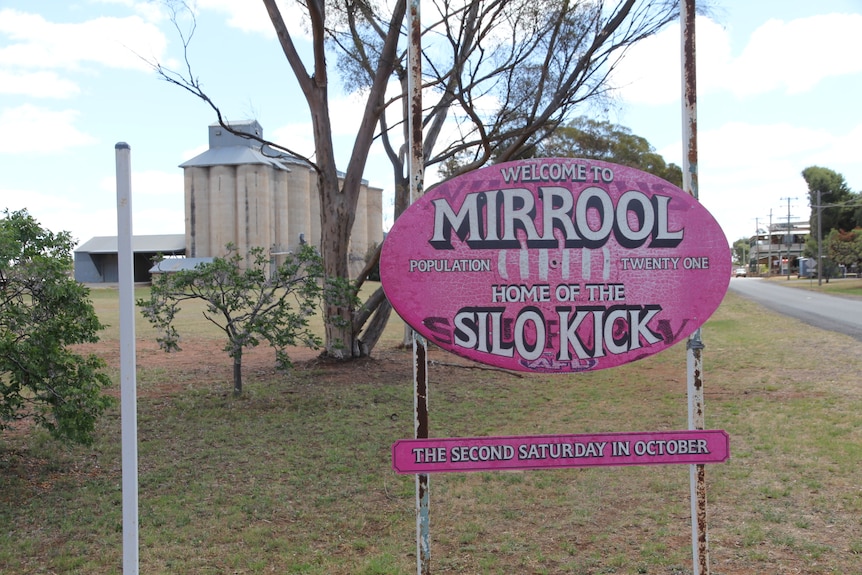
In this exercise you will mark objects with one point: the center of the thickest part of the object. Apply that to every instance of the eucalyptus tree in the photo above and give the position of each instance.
(500, 76)
(598, 140)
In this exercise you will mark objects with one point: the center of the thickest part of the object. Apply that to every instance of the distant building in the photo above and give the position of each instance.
(778, 246)
(241, 193)
(96, 260)
(237, 192)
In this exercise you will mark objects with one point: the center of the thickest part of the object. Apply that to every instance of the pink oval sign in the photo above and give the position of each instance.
(555, 265)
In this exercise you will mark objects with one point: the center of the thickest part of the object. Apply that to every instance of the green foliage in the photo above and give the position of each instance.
(845, 247)
(741, 251)
(42, 312)
(843, 207)
(597, 140)
(592, 140)
(340, 293)
(246, 298)
(341, 300)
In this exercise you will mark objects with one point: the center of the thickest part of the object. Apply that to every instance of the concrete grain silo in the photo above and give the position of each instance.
(359, 236)
(298, 194)
(235, 192)
(374, 214)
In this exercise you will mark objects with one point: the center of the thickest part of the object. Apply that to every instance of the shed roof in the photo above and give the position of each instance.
(169, 265)
(163, 243)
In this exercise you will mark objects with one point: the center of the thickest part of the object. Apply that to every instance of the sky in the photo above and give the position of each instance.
(778, 91)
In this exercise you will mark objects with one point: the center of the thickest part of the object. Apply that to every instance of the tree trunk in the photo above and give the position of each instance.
(378, 308)
(336, 221)
(337, 201)
(237, 373)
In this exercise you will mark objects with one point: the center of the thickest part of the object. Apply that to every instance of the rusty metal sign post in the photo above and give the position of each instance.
(416, 174)
(694, 359)
(694, 351)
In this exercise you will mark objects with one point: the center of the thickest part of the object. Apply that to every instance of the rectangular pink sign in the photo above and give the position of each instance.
(411, 456)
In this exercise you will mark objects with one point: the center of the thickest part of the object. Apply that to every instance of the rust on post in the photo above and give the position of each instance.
(694, 352)
(414, 88)
(420, 368)
(420, 401)
(702, 543)
(416, 176)
(689, 83)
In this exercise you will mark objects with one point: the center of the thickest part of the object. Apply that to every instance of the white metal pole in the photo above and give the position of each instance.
(694, 352)
(128, 385)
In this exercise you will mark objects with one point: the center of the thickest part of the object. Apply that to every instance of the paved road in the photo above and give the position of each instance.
(834, 313)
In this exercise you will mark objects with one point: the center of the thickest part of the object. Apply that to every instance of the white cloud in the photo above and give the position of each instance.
(298, 137)
(789, 56)
(253, 18)
(844, 152)
(154, 211)
(345, 115)
(35, 202)
(795, 56)
(150, 11)
(37, 84)
(61, 214)
(738, 143)
(31, 129)
(747, 171)
(187, 155)
(158, 221)
(34, 42)
(150, 183)
(84, 224)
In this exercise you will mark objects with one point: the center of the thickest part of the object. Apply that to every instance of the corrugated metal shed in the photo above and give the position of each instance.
(168, 244)
(96, 261)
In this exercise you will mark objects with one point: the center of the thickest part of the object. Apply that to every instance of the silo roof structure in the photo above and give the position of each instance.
(232, 156)
(230, 149)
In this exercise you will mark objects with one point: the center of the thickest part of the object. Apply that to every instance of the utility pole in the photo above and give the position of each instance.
(769, 260)
(755, 252)
(788, 237)
(819, 241)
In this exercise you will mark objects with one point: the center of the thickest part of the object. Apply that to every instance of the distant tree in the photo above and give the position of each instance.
(741, 251)
(844, 211)
(809, 250)
(845, 248)
(43, 311)
(245, 298)
(599, 140)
